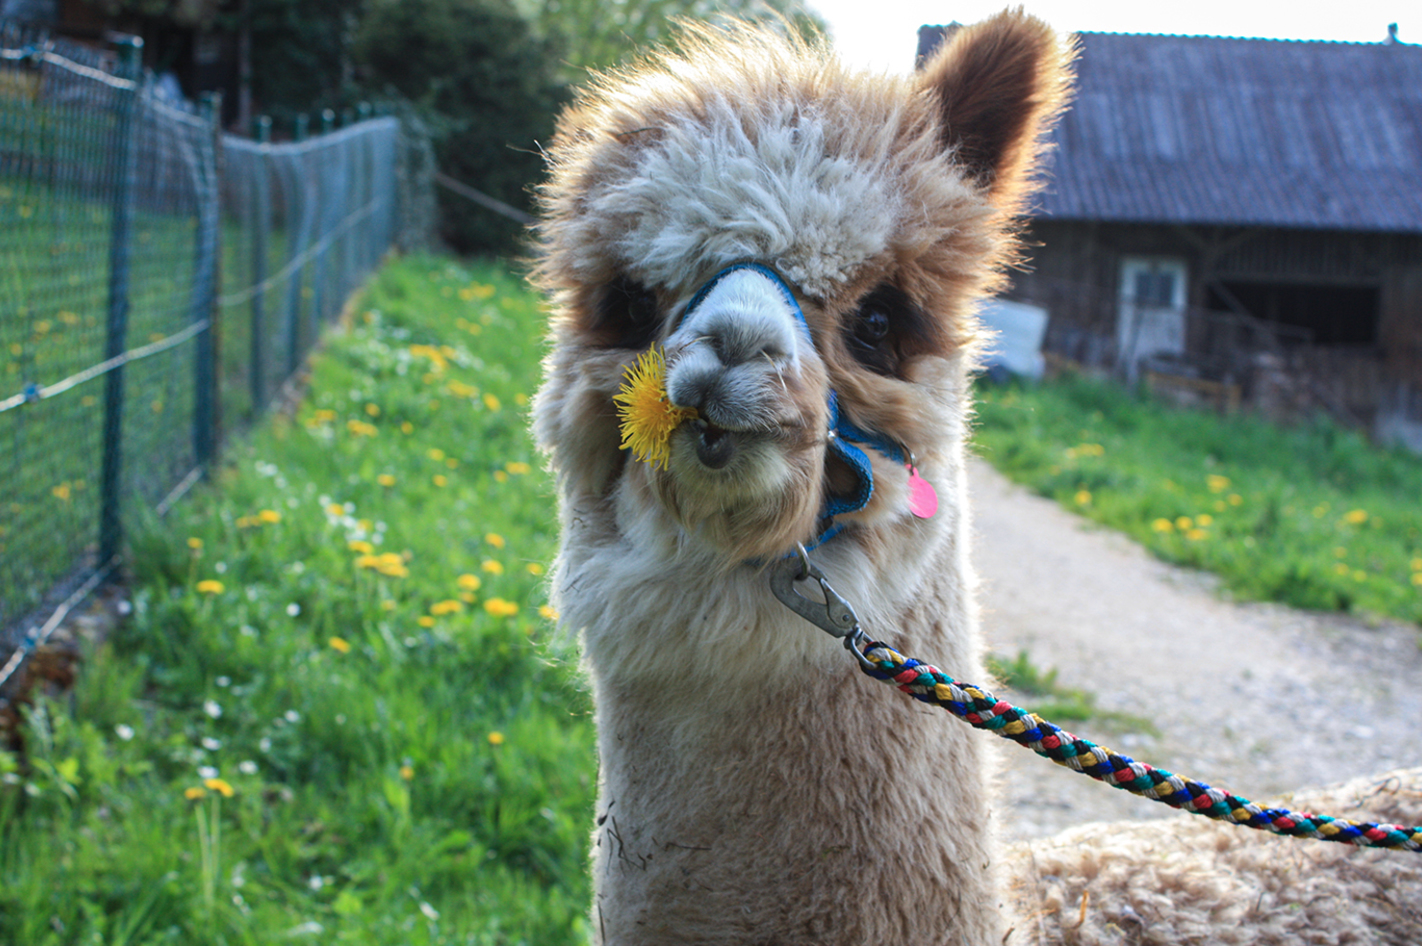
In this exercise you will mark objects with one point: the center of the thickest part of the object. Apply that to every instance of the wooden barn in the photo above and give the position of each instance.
(1240, 220)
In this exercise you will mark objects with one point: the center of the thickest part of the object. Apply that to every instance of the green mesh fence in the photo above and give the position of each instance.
(137, 242)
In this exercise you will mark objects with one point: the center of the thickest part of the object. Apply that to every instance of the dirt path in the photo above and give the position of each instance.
(1256, 699)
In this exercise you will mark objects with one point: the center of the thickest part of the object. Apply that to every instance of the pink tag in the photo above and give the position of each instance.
(923, 498)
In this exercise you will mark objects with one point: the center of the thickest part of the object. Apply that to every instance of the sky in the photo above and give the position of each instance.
(883, 34)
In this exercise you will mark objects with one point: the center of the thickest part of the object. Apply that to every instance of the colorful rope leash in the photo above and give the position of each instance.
(981, 710)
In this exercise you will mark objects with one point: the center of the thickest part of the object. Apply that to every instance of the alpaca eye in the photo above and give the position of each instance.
(626, 315)
(873, 325)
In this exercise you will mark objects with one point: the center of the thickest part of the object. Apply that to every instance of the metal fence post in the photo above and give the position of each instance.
(263, 214)
(205, 306)
(296, 215)
(125, 150)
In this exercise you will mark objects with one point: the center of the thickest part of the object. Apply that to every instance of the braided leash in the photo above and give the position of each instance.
(981, 710)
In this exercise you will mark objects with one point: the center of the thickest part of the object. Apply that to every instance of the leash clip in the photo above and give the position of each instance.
(834, 615)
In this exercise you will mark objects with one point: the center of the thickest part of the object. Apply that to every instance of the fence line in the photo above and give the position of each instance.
(190, 269)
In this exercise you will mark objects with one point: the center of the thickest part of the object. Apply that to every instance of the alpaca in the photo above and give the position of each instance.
(805, 244)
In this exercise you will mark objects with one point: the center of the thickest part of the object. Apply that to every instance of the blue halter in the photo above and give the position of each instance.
(843, 433)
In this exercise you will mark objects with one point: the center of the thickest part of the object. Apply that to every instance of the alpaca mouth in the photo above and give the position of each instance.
(715, 446)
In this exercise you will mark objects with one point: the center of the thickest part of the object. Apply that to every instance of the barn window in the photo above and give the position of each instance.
(1330, 314)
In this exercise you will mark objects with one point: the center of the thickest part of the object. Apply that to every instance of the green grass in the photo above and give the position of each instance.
(1312, 516)
(410, 757)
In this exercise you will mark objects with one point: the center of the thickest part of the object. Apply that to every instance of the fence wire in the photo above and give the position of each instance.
(159, 282)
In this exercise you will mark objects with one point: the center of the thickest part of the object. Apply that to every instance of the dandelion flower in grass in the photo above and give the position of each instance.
(194, 793)
(195, 543)
(425, 621)
(548, 612)
(340, 645)
(1162, 526)
(494, 539)
(491, 402)
(1083, 497)
(533, 568)
(435, 453)
(501, 476)
(468, 582)
(1184, 523)
(211, 586)
(1217, 483)
(492, 567)
(496, 739)
(220, 786)
(1204, 520)
(645, 412)
(406, 772)
(361, 546)
(450, 606)
(269, 516)
(1417, 564)
(500, 608)
(1417, 579)
(1355, 517)
(517, 468)
(440, 479)
(385, 479)
(1195, 535)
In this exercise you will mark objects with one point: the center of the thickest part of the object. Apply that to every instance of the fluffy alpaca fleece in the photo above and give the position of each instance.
(754, 786)
(1188, 880)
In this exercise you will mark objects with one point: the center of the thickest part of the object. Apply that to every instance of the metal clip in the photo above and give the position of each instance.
(834, 615)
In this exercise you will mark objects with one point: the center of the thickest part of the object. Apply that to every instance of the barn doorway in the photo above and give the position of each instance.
(1328, 314)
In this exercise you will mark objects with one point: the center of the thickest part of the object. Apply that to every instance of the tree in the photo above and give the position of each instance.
(486, 86)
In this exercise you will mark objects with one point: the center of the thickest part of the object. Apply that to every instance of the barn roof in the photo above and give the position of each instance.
(1203, 129)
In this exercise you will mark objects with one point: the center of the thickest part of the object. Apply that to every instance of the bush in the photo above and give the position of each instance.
(487, 88)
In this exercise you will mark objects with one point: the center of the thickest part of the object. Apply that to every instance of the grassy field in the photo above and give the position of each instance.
(336, 715)
(1313, 516)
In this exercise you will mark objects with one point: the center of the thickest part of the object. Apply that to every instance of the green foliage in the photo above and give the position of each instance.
(488, 90)
(336, 714)
(1312, 516)
(609, 33)
(1023, 676)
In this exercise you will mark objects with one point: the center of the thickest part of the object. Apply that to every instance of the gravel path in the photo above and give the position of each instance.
(1256, 699)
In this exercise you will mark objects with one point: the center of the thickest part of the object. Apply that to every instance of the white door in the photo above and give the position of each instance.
(1152, 310)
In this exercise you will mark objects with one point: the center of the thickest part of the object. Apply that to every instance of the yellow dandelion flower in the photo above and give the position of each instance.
(496, 739)
(518, 468)
(1162, 525)
(61, 492)
(406, 772)
(468, 582)
(439, 479)
(340, 645)
(1195, 535)
(1217, 483)
(491, 402)
(1204, 519)
(388, 604)
(245, 522)
(521, 399)
(1417, 579)
(194, 793)
(407, 428)
(211, 586)
(533, 568)
(373, 410)
(220, 786)
(361, 546)
(385, 479)
(494, 539)
(335, 509)
(440, 608)
(492, 567)
(1341, 568)
(368, 560)
(435, 453)
(1184, 523)
(500, 608)
(1083, 497)
(195, 543)
(548, 612)
(1360, 575)
(268, 516)
(467, 597)
(1235, 499)
(425, 620)
(501, 476)
(1355, 517)
(645, 412)
(1417, 564)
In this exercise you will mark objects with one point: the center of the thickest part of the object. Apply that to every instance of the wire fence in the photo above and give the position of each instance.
(160, 281)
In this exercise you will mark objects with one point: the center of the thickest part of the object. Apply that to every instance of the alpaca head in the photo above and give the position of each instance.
(798, 239)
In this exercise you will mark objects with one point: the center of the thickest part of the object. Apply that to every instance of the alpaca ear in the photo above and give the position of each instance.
(999, 86)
